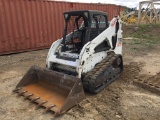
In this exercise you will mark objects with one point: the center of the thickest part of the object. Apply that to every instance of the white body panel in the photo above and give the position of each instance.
(87, 59)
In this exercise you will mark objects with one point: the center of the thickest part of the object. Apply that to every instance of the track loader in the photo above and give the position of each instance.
(87, 58)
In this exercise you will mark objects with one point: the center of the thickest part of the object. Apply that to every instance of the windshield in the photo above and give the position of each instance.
(74, 34)
(75, 23)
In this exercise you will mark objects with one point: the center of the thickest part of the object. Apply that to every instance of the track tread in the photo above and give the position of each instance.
(90, 78)
(152, 83)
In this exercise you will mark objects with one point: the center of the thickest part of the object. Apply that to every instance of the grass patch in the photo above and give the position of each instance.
(148, 35)
(124, 42)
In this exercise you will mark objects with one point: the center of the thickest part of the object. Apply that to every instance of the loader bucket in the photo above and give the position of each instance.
(55, 91)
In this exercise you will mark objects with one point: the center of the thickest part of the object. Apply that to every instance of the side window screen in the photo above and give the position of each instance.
(93, 25)
(98, 21)
(102, 23)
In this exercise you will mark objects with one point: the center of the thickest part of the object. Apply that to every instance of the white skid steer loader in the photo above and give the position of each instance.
(88, 56)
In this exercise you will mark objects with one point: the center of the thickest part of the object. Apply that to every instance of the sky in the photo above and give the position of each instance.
(128, 3)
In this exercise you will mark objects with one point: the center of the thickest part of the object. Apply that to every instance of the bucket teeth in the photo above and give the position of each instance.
(21, 93)
(15, 90)
(40, 104)
(48, 108)
(28, 96)
(54, 91)
(33, 100)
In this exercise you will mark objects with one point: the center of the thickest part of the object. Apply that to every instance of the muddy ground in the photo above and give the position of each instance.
(121, 100)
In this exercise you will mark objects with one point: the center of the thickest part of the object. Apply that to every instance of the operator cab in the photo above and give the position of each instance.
(82, 27)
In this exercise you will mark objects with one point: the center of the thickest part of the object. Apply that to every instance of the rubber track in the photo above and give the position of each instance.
(90, 77)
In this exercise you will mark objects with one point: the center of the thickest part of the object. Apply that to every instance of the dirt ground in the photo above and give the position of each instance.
(122, 100)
